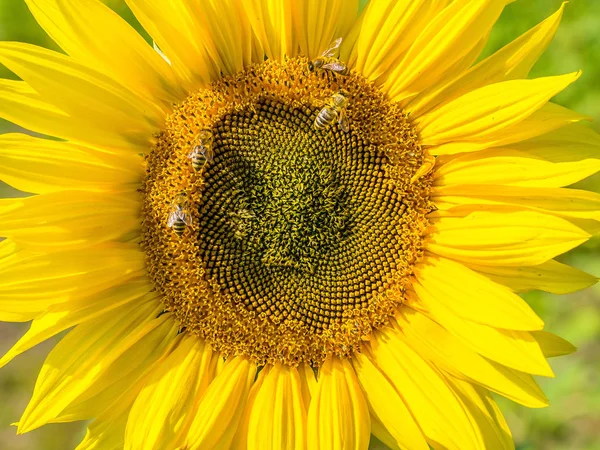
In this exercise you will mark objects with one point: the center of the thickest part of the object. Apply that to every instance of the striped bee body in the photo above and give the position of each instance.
(328, 61)
(334, 111)
(326, 117)
(202, 153)
(179, 217)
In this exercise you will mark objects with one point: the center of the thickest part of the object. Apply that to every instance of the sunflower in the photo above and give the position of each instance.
(286, 225)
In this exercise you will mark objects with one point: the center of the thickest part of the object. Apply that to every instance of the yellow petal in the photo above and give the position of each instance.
(69, 219)
(553, 345)
(176, 32)
(485, 412)
(439, 347)
(318, 24)
(277, 420)
(127, 374)
(472, 296)
(550, 276)
(107, 430)
(388, 406)
(221, 407)
(380, 432)
(446, 39)
(20, 104)
(485, 113)
(308, 377)
(460, 200)
(511, 168)
(225, 32)
(72, 366)
(434, 406)
(573, 142)
(338, 416)
(42, 166)
(166, 405)
(94, 34)
(62, 317)
(240, 440)
(515, 349)
(513, 61)
(273, 25)
(504, 239)
(32, 282)
(388, 29)
(83, 92)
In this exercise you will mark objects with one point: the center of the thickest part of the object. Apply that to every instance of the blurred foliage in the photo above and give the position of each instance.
(573, 420)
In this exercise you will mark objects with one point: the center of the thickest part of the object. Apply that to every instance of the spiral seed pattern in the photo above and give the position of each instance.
(302, 240)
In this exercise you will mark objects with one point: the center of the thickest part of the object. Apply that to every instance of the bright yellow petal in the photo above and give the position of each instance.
(461, 200)
(550, 276)
(553, 345)
(221, 407)
(511, 168)
(42, 166)
(127, 374)
(446, 39)
(273, 25)
(107, 430)
(224, 31)
(318, 24)
(62, 317)
(176, 32)
(20, 104)
(472, 296)
(388, 29)
(548, 118)
(277, 420)
(515, 349)
(434, 406)
(72, 366)
(83, 92)
(570, 143)
(380, 432)
(513, 61)
(338, 416)
(166, 405)
(32, 282)
(484, 411)
(69, 219)
(240, 440)
(485, 113)
(439, 347)
(388, 406)
(504, 239)
(94, 34)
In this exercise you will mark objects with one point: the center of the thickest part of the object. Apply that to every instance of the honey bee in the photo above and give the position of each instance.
(428, 163)
(202, 151)
(327, 61)
(334, 110)
(179, 216)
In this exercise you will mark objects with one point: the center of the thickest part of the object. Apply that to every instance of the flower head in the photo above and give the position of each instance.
(288, 226)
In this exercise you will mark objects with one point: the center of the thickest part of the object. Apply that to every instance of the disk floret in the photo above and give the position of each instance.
(302, 233)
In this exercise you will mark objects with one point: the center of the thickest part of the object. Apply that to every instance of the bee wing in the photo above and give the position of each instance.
(343, 121)
(333, 48)
(186, 217)
(171, 219)
(208, 153)
(335, 66)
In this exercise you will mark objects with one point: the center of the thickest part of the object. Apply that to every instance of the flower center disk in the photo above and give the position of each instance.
(301, 238)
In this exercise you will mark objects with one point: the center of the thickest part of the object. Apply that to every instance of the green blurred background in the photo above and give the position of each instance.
(573, 420)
